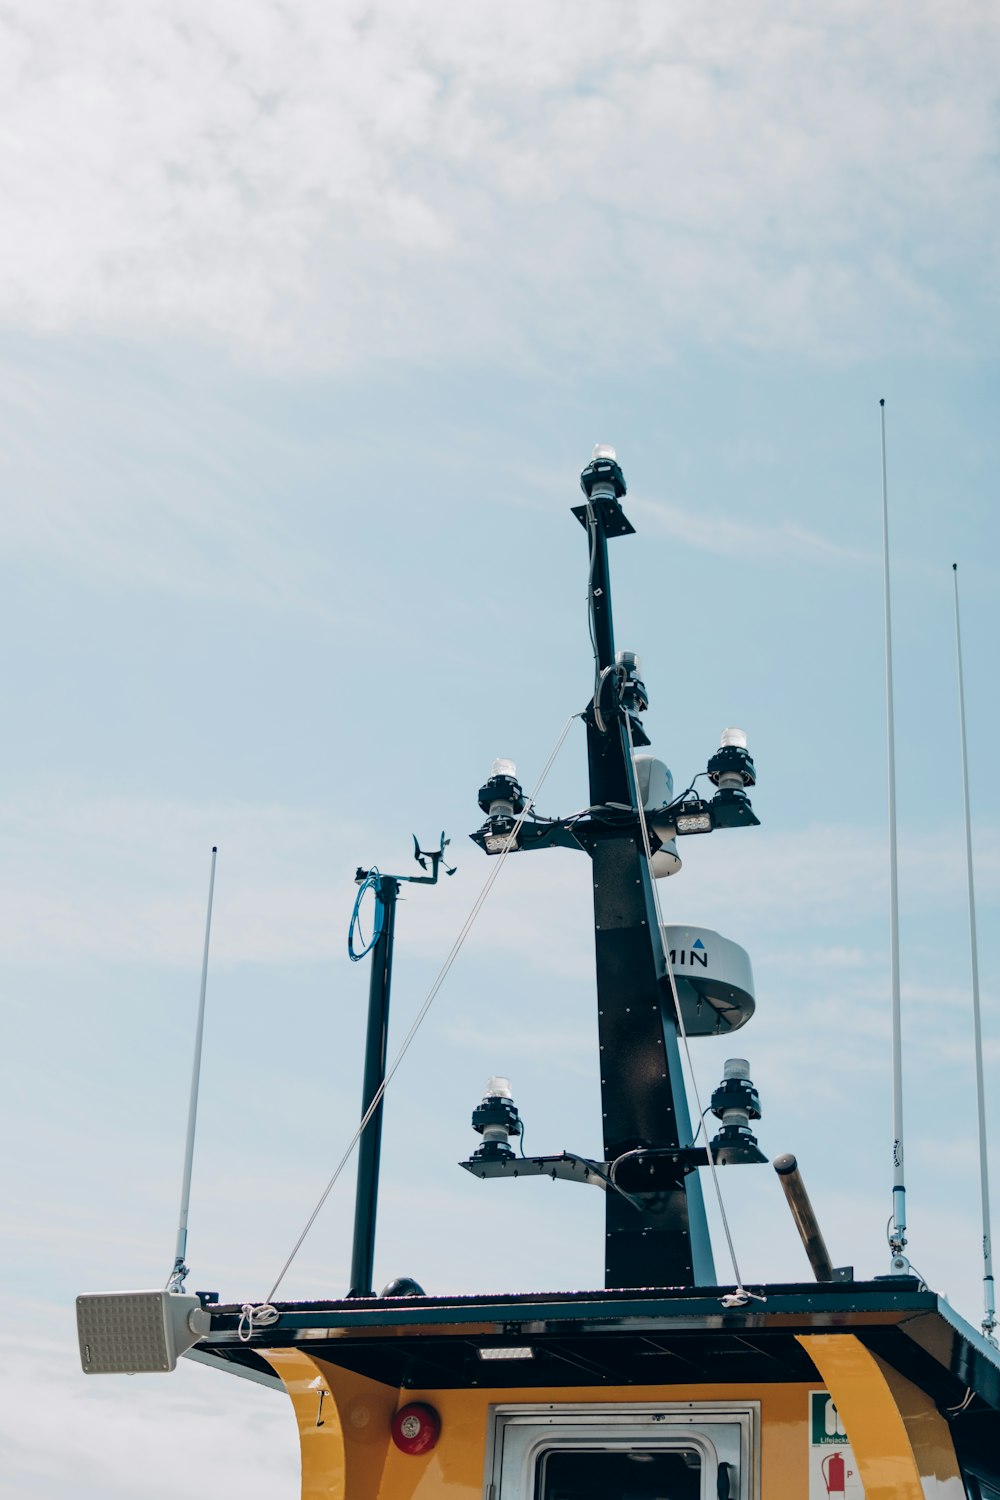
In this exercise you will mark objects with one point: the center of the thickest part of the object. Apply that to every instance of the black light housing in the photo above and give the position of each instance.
(502, 792)
(603, 477)
(632, 689)
(731, 808)
(731, 770)
(501, 797)
(496, 1119)
(731, 765)
(736, 1102)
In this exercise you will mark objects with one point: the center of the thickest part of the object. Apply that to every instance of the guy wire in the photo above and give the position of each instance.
(428, 1002)
(741, 1290)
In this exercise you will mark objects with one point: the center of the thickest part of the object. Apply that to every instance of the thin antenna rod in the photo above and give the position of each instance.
(989, 1300)
(897, 1229)
(177, 1275)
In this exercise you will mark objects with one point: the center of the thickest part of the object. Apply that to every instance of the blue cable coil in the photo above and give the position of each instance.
(373, 882)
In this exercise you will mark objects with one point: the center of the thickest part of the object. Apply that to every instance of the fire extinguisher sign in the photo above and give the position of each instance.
(833, 1474)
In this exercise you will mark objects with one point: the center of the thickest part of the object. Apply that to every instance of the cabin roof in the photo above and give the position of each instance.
(649, 1336)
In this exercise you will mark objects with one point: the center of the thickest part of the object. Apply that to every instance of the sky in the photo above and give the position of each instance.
(309, 319)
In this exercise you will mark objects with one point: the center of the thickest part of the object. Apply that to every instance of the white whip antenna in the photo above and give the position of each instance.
(897, 1224)
(989, 1300)
(180, 1270)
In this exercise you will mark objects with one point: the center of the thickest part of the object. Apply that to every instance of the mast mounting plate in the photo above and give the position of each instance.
(613, 518)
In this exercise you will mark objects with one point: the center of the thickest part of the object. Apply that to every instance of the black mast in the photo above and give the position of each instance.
(656, 1232)
(665, 1241)
(370, 1145)
(380, 984)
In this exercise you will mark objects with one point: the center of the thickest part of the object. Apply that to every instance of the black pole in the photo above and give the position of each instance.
(662, 1237)
(370, 1145)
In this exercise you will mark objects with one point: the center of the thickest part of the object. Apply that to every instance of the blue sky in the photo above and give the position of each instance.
(308, 321)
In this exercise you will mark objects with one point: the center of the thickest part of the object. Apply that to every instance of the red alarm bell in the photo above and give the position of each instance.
(416, 1428)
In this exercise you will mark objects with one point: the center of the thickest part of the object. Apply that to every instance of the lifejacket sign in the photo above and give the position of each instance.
(833, 1473)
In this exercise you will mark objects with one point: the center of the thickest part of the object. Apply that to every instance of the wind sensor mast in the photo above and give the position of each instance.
(386, 892)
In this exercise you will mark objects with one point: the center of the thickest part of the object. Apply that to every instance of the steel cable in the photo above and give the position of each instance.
(741, 1296)
(425, 1007)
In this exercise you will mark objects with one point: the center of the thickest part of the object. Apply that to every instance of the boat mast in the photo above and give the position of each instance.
(656, 1229)
(664, 1241)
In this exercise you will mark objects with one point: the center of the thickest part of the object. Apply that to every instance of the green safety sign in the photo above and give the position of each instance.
(826, 1426)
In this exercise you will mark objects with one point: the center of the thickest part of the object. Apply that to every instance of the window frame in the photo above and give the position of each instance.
(512, 1464)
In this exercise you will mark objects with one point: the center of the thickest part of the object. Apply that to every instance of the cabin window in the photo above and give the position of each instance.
(676, 1451)
(636, 1474)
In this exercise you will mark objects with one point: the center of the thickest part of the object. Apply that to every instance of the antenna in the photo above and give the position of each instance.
(989, 1302)
(175, 1282)
(897, 1224)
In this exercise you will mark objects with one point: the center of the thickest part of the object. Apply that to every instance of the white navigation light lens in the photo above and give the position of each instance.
(604, 450)
(504, 767)
(736, 1067)
(694, 823)
(498, 1087)
(735, 737)
(496, 843)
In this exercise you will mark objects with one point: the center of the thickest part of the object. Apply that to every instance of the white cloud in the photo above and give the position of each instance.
(312, 182)
(830, 875)
(118, 877)
(150, 485)
(194, 1432)
(743, 539)
(121, 878)
(124, 879)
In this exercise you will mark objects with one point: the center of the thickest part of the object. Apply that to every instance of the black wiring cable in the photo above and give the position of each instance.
(609, 674)
(372, 882)
(656, 1150)
(592, 533)
(678, 800)
(592, 1166)
(605, 807)
(701, 1123)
